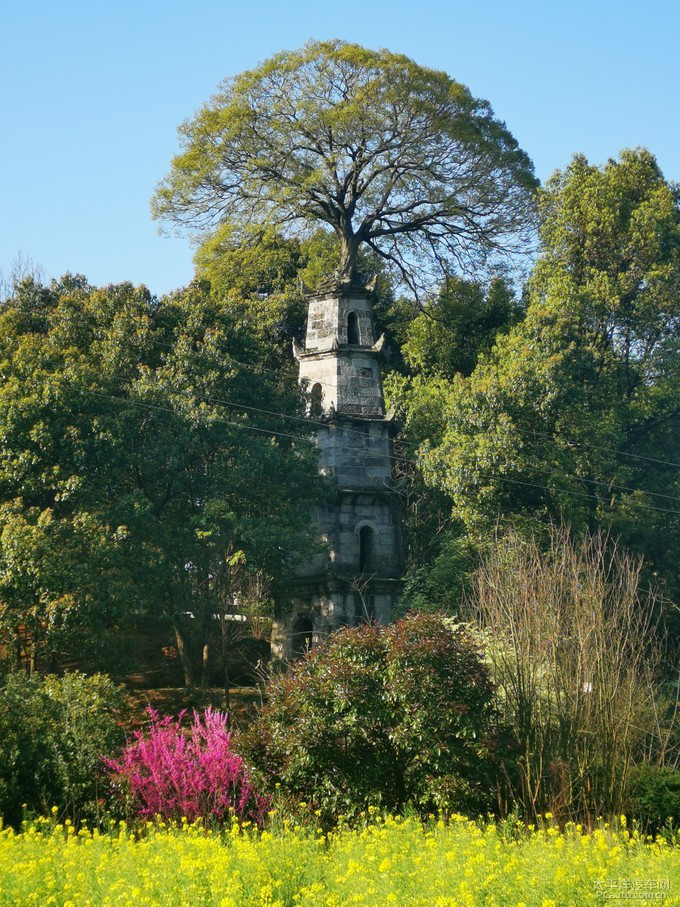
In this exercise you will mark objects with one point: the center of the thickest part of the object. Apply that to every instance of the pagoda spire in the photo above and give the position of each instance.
(359, 576)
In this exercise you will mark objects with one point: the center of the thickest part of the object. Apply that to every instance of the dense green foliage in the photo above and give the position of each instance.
(263, 280)
(137, 468)
(449, 335)
(54, 732)
(655, 795)
(156, 459)
(383, 152)
(573, 415)
(388, 716)
(444, 339)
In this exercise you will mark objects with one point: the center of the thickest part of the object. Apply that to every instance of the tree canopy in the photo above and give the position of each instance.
(381, 151)
(463, 322)
(139, 456)
(573, 415)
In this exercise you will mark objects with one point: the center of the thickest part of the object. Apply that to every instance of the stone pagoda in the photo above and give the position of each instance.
(358, 576)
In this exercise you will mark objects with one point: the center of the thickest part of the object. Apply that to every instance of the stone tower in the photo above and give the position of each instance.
(358, 577)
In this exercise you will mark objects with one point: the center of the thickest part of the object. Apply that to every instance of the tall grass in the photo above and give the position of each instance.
(576, 655)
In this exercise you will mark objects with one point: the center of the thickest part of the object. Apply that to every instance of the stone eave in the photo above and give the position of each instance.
(340, 416)
(366, 491)
(333, 289)
(340, 349)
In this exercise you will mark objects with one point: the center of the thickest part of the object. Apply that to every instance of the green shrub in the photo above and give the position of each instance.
(655, 796)
(53, 734)
(388, 716)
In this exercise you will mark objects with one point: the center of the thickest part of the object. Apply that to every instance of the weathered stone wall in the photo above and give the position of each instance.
(323, 370)
(359, 388)
(378, 513)
(328, 318)
(329, 607)
(340, 525)
(358, 454)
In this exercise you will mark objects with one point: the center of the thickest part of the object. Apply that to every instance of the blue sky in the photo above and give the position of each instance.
(91, 95)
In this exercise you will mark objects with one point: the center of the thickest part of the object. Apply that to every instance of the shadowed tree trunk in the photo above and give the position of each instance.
(184, 656)
(226, 650)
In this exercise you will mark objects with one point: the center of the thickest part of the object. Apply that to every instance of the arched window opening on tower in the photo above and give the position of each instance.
(353, 329)
(316, 409)
(366, 552)
(302, 635)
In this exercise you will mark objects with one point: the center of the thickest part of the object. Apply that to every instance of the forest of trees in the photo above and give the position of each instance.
(154, 455)
(154, 451)
(157, 460)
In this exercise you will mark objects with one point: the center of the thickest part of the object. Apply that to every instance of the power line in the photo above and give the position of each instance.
(273, 433)
(304, 419)
(620, 453)
(531, 432)
(328, 427)
(580, 494)
(174, 412)
(229, 360)
(610, 485)
(387, 456)
(243, 425)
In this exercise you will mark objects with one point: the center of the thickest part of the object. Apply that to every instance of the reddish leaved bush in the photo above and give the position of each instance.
(170, 771)
(396, 716)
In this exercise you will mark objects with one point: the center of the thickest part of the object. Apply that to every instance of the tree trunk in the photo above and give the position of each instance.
(205, 653)
(227, 688)
(184, 655)
(225, 670)
(349, 252)
(204, 664)
(17, 649)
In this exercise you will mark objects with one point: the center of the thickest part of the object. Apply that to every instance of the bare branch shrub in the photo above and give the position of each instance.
(575, 653)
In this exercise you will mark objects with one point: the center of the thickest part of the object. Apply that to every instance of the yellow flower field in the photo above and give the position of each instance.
(391, 861)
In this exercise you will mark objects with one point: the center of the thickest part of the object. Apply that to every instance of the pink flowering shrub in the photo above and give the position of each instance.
(173, 772)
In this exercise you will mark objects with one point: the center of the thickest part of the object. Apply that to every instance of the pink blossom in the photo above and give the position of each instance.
(172, 773)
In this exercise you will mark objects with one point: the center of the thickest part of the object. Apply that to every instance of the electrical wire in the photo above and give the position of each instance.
(222, 402)
(619, 453)
(304, 419)
(243, 425)
(229, 360)
(610, 485)
(281, 434)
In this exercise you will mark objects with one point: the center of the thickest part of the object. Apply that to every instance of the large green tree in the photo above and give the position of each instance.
(141, 460)
(574, 413)
(444, 339)
(449, 335)
(379, 150)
